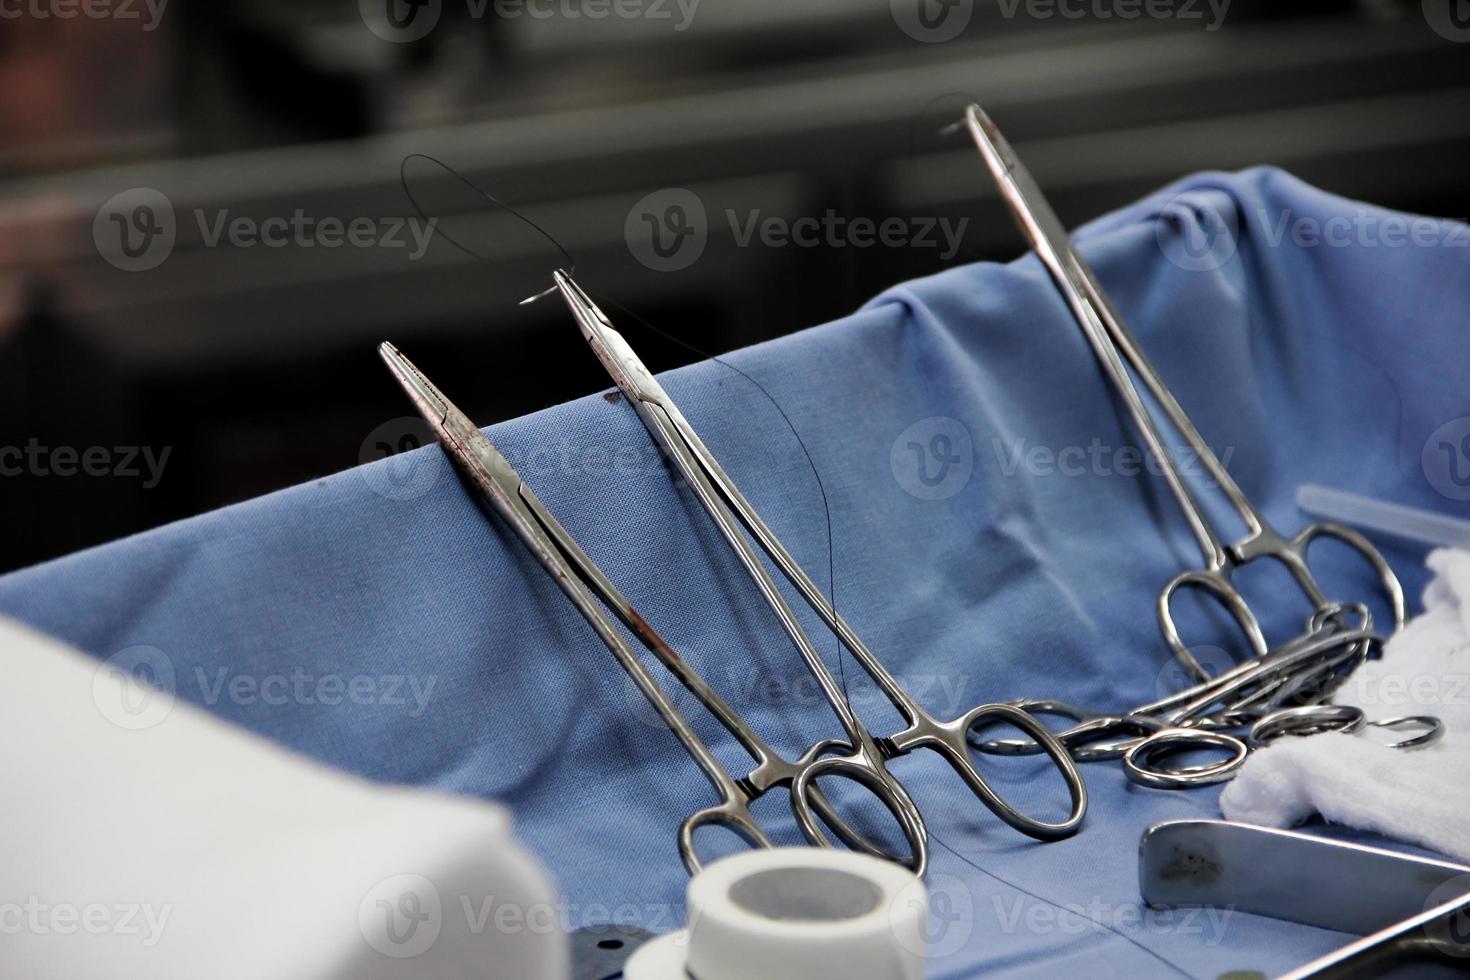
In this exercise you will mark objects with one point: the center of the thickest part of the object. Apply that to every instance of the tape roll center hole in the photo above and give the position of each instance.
(806, 895)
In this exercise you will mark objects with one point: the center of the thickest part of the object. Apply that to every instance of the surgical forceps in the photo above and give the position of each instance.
(1245, 708)
(1114, 343)
(1247, 695)
(493, 479)
(1312, 719)
(731, 511)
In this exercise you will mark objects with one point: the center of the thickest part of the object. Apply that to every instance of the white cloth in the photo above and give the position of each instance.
(1421, 796)
(142, 838)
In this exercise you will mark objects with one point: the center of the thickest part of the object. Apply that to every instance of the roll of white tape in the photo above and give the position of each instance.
(792, 914)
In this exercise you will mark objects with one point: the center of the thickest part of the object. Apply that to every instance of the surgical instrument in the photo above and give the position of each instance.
(730, 510)
(1117, 350)
(1246, 707)
(1114, 343)
(1415, 909)
(496, 483)
(1316, 718)
(1202, 716)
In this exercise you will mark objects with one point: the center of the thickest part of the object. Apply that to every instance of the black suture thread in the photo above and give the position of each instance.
(816, 474)
(408, 193)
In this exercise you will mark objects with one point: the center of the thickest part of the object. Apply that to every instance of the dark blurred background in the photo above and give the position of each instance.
(173, 281)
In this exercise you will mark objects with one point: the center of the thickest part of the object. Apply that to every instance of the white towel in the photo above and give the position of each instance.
(1422, 795)
(145, 840)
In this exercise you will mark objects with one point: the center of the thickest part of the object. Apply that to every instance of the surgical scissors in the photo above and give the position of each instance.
(731, 512)
(493, 479)
(1114, 343)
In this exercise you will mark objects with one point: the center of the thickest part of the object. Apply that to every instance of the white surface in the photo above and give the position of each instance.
(791, 914)
(1421, 796)
(664, 958)
(143, 839)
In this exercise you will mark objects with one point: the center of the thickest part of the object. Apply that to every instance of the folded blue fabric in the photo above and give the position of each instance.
(991, 538)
